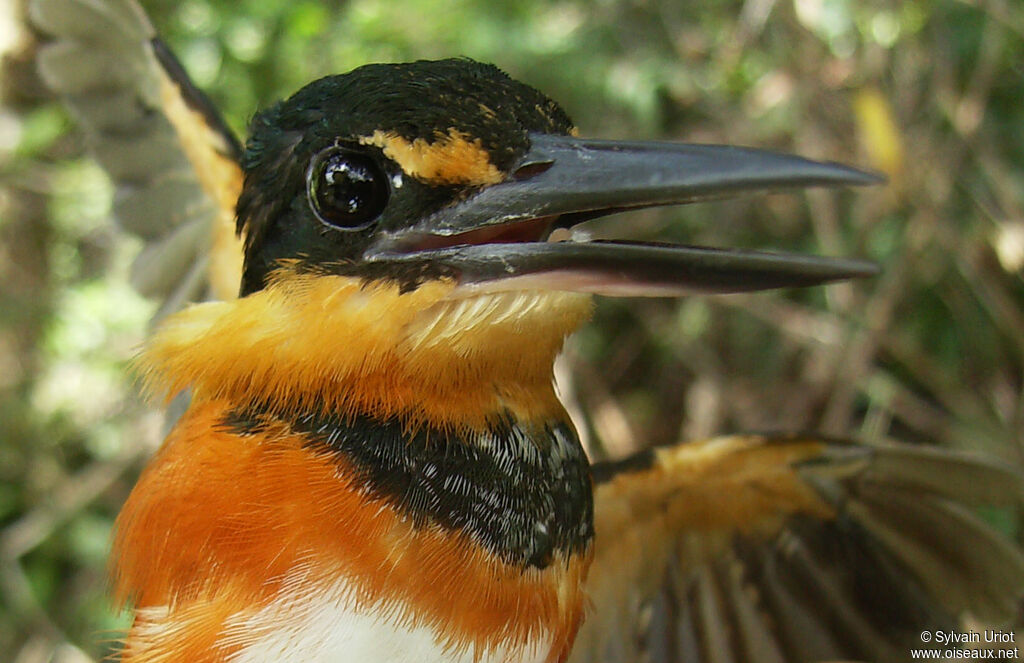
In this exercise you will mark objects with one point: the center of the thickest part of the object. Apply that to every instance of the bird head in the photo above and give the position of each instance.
(451, 169)
(404, 213)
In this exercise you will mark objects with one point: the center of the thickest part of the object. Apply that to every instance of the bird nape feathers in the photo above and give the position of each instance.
(374, 464)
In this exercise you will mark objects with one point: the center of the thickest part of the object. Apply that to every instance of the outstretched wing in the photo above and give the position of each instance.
(794, 549)
(174, 161)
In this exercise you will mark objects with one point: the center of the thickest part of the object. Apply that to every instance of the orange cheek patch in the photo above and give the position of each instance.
(452, 158)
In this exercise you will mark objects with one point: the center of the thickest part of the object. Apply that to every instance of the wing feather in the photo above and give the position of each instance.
(794, 549)
(174, 161)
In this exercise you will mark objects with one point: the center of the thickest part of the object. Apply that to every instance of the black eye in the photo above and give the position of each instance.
(346, 188)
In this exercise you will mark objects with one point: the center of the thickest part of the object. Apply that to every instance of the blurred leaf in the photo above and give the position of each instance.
(40, 128)
(879, 134)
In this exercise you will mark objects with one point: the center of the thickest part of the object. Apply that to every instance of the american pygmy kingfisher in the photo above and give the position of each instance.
(374, 465)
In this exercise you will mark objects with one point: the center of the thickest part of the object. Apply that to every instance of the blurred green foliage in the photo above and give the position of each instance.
(931, 351)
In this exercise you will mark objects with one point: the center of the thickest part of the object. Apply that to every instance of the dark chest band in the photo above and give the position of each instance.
(523, 492)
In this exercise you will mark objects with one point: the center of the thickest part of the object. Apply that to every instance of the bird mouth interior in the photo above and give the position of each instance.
(515, 232)
(528, 254)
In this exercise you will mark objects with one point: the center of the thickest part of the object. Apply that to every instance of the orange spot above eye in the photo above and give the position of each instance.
(453, 158)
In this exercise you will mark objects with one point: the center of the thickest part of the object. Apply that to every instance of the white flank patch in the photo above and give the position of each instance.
(325, 627)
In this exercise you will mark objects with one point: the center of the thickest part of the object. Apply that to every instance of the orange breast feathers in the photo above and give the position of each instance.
(227, 520)
(220, 524)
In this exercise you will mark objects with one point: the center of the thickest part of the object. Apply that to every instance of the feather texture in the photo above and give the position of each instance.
(794, 549)
(174, 161)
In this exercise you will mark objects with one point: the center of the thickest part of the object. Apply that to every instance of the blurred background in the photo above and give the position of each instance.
(931, 351)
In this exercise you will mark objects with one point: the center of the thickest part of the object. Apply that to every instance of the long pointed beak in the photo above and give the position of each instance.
(494, 239)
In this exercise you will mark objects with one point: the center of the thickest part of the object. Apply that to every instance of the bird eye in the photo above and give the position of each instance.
(346, 188)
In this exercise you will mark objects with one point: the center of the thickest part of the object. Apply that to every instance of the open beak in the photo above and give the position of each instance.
(495, 239)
